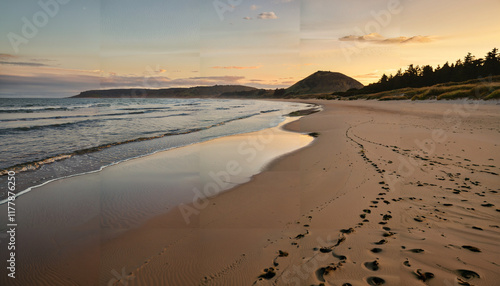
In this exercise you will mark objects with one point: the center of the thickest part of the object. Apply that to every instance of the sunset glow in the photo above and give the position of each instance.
(59, 48)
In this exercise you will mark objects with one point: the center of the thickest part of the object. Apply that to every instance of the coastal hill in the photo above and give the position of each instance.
(319, 82)
(323, 82)
(198, 91)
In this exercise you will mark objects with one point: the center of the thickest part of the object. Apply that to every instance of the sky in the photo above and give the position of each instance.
(58, 48)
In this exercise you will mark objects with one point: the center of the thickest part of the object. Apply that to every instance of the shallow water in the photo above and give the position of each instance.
(46, 139)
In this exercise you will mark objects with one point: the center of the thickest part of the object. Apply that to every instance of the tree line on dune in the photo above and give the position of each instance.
(420, 76)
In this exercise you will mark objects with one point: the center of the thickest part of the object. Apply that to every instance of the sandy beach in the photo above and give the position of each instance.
(259, 143)
(389, 193)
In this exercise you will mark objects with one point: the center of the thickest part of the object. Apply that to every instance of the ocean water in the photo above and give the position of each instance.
(45, 139)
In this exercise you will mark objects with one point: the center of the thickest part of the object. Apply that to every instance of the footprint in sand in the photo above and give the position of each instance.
(372, 265)
(347, 231)
(471, 248)
(299, 236)
(488, 205)
(339, 257)
(321, 272)
(282, 253)
(467, 274)
(268, 273)
(419, 219)
(325, 250)
(374, 281)
(388, 234)
(424, 276)
(339, 241)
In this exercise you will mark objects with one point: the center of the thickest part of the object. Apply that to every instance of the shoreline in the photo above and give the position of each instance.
(106, 216)
(345, 209)
(25, 173)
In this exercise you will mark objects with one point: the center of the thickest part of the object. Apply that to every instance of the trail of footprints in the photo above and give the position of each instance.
(271, 272)
(435, 161)
(463, 276)
(466, 185)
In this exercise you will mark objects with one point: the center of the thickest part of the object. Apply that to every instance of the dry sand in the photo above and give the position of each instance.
(390, 193)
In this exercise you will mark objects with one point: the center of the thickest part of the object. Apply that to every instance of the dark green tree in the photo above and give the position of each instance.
(415, 76)
(491, 64)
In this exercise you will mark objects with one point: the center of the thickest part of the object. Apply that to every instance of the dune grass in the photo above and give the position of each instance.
(472, 89)
(494, 95)
(460, 93)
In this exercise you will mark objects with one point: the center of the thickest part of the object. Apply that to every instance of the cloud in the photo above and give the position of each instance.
(46, 85)
(247, 18)
(267, 15)
(8, 59)
(57, 82)
(414, 39)
(377, 38)
(254, 7)
(230, 78)
(6, 56)
(111, 79)
(237, 67)
(368, 75)
(151, 82)
(369, 37)
(24, 64)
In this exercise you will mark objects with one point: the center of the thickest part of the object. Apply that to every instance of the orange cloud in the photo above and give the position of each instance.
(368, 75)
(377, 38)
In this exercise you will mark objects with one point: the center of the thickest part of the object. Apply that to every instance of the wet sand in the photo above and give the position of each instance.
(65, 227)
